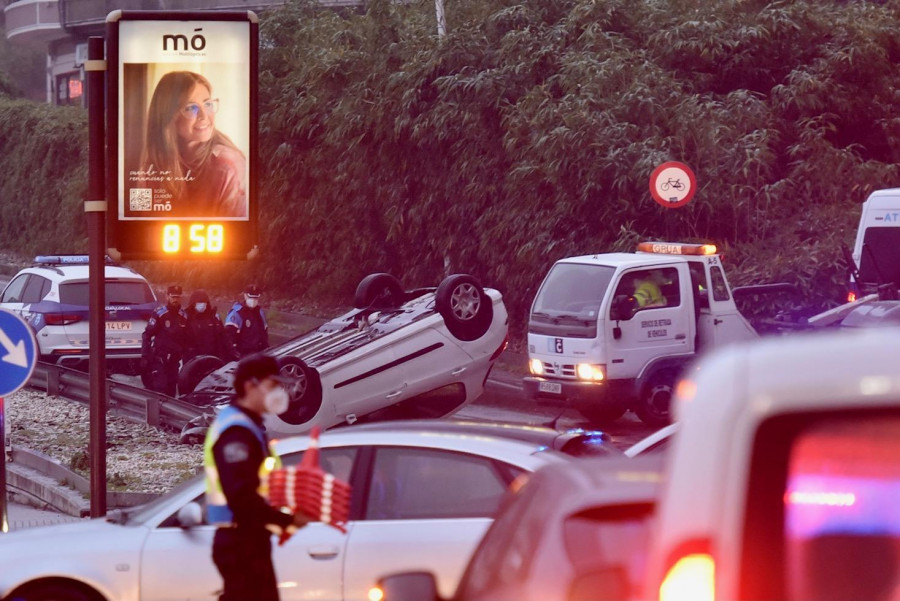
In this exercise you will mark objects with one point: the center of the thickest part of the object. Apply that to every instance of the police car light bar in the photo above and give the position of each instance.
(66, 260)
(676, 248)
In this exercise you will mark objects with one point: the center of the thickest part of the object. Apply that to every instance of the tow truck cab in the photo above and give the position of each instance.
(783, 478)
(597, 344)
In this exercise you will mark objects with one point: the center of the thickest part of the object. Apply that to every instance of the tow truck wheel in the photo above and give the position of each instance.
(466, 309)
(305, 391)
(656, 399)
(602, 416)
(378, 290)
(195, 370)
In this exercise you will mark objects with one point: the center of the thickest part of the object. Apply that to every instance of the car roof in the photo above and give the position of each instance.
(574, 443)
(626, 260)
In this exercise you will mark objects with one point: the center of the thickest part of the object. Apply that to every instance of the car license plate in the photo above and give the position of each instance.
(118, 326)
(554, 387)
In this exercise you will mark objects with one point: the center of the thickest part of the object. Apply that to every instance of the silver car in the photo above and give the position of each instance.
(423, 495)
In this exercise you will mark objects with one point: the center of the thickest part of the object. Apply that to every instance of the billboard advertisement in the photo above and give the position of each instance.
(182, 121)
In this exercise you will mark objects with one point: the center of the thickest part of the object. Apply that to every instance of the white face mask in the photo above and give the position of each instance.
(252, 302)
(200, 307)
(277, 400)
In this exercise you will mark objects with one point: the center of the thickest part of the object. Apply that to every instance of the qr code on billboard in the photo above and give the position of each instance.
(140, 199)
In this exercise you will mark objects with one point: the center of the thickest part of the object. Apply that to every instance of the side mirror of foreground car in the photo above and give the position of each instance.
(190, 515)
(406, 586)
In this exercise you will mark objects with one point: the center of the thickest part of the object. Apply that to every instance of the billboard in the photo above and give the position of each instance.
(182, 134)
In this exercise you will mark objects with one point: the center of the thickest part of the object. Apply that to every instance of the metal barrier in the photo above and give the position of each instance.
(134, 404)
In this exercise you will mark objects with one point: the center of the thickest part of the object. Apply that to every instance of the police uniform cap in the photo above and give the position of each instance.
(257, 367)
(174, 290)
(252, 291)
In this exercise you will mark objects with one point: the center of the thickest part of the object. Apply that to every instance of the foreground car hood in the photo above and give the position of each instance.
(97, 552)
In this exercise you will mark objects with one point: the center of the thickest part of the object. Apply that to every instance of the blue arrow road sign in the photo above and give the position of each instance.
(18, 352)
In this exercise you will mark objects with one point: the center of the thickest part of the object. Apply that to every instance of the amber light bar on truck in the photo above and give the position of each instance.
(676, 248)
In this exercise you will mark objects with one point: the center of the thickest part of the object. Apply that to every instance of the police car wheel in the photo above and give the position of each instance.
(378, 290)
(466, 309)
(655, 402)
(305, 391)
(195, 370)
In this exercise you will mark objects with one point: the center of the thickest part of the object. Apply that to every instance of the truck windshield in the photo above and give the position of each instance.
(879, 261)
(573, 290)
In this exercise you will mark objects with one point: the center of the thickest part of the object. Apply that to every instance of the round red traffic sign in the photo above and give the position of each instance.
(673, 184)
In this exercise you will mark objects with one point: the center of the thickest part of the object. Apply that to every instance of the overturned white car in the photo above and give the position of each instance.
(417, 353)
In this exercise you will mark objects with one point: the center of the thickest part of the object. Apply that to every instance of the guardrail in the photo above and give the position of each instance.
(135, 404)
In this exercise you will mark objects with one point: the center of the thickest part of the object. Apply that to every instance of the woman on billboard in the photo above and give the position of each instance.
(205, 170)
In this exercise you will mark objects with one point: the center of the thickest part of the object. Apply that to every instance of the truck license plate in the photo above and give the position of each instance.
(553, 387)
(118, 326)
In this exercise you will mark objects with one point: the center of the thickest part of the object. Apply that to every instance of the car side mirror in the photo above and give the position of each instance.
(623, 308)
(190, 515)
(409, 586)
(602, 584)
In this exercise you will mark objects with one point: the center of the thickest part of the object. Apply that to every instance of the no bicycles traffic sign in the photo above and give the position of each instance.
(673, 184)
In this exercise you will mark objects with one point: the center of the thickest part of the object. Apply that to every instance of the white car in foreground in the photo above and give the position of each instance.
(424, 492)
(421, 353)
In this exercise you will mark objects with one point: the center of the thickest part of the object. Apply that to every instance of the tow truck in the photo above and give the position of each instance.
(613, 332)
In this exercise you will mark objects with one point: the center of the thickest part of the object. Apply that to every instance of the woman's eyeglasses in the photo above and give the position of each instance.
(192, 110)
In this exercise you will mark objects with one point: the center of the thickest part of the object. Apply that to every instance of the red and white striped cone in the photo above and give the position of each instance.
(307, 488)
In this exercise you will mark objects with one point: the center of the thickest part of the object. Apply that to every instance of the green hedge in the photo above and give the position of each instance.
(529, 133)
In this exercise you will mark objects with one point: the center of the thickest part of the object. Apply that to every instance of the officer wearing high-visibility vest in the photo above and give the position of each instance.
(238, 458)
(646, 290)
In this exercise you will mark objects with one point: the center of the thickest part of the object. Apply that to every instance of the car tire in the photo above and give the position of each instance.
(195, 370)
(305, 393)
(466, 309)
(602, 415)
(379, 291)
(653, 408)
(56, 592)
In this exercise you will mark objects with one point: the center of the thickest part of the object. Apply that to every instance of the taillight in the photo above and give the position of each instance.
(691, 578)
(851, 296)
(61, 319)
(500, 348)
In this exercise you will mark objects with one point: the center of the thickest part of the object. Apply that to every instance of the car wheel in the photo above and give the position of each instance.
(656, 399)
(466, 309)
(195, 370)
(602, 415)
(305, 391)
(378, 290)
(55, 592)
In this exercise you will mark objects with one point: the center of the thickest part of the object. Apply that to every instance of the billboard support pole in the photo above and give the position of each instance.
(95, 208)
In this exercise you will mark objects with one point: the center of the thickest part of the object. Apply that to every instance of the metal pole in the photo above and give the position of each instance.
(4, 523)
(441, 20)
(95, 207)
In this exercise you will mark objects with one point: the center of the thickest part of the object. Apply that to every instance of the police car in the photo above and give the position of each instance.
(417, 353)
(52, 296)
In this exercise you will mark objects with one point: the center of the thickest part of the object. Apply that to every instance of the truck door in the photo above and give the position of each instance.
(663, 322)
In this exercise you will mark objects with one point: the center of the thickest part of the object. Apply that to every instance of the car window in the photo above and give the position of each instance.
(121, 292)
(651, 288)
(35, 289)
(720, 288)
(841, 515)
(413, 483)
(337, 461)
(15, 290)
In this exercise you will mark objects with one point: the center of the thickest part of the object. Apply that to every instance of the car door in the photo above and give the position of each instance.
(363, 382)
(425, 509)
(11, 300)
(176, 563)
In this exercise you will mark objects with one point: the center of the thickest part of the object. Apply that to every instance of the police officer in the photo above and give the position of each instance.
(237, 458)
(163, 344)
(205, 331)
(246, 326)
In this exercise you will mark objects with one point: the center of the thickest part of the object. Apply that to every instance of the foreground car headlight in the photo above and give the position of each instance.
(536, 366)
(591, 373)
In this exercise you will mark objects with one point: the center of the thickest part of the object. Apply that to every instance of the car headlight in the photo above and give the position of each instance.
(591, 373)
(536, 366)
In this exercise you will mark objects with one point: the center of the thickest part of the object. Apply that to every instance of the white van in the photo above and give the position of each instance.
(877, 248)
(784, 478)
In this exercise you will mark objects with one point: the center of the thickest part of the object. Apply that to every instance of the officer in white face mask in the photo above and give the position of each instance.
(237, 458)
(246, 326)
